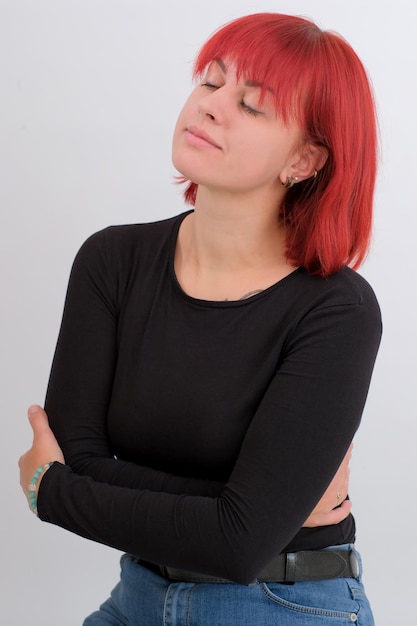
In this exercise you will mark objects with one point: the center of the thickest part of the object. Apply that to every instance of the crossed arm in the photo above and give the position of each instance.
(332, 508)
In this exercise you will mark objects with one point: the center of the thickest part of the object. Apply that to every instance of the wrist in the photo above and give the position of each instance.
(34, 486)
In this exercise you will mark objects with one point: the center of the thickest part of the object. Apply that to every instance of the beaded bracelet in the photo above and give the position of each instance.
(32, 495)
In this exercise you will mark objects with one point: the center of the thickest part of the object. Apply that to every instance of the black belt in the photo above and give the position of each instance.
(285, 568)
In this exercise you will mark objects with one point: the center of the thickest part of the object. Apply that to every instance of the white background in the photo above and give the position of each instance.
(90, 90)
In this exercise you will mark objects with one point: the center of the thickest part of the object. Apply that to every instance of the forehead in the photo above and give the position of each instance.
(228, 68)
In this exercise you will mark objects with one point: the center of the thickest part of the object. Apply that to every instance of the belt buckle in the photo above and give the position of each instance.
(354, 564)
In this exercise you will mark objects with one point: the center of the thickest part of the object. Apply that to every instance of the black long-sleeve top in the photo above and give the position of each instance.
(201, 434)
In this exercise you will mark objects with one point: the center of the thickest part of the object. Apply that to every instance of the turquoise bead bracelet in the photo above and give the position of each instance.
(32, 497)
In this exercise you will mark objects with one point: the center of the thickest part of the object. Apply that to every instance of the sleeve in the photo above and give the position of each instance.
(84, 360)
(296, 440)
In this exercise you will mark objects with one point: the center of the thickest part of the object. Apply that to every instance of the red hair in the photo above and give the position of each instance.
(319, 81)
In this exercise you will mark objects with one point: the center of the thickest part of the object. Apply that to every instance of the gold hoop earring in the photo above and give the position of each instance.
(290, 182)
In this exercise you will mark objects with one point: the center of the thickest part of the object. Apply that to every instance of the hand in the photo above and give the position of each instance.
(328, 511)
(45, 448)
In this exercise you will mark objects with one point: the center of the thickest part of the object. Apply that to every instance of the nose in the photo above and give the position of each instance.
(207, 108)
(206, 112)
(214, 104)
(210, 115)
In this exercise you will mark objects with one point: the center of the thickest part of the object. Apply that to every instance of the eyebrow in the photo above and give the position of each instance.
(222, 66)
(248, 83)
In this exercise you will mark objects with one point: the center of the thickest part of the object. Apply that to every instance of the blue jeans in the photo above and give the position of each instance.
(143, 598)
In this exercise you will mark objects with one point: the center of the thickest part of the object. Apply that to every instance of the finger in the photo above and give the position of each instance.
(349, 452)
(347, 458)
(35, 408)
(338, 515)
(38, 419)
(342, 511)
(343, 479)
(348, 455)
(343, 472)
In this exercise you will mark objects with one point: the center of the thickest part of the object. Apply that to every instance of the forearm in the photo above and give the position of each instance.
(200, 534)
(126, 474)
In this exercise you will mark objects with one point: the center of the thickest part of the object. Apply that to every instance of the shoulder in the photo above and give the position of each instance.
(343, 304)
(124, 246)
(118, 256)
(122, 238)
(345, 287)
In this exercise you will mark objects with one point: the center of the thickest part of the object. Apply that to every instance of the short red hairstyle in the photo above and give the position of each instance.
(318, 80)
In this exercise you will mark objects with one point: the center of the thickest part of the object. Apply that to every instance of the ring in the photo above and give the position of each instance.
(339, 496)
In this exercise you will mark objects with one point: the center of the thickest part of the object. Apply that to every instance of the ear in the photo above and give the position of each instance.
(309, 159)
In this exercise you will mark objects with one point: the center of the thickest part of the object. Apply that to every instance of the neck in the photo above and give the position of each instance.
(230, 249)
(233, 233)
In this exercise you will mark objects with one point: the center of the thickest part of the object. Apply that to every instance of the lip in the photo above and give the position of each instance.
(197, 136)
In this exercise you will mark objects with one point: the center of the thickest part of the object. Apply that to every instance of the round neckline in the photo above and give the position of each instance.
(216, 303)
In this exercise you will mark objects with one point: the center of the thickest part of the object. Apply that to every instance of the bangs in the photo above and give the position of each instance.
(278, 55)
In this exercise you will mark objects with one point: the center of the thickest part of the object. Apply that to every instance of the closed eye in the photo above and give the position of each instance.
(209, 85)
(249, 109)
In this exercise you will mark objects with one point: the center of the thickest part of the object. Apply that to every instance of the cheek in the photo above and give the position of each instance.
(188, 110)
(273, 149)
(180, 123)
(176, 151)
(185, 117)
(178, 133)
(260, 153)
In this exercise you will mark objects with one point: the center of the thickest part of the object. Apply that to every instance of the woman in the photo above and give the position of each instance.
(212, 368)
